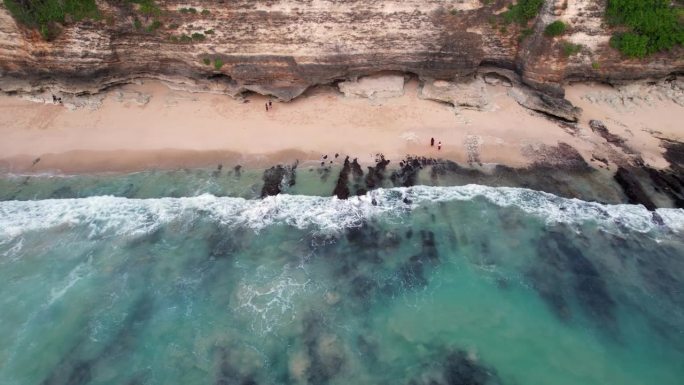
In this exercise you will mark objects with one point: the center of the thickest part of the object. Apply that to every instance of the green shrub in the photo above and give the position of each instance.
(206, 12)
(631, 44)
(198, 36)
(188, 10)
(185, 38)
(218, 63)
(523, 11)
(173, 26)
(43, 15)
(147, 7)
(596, 65)
(556, 28)
(654, 26)
(570, 49)
(206, 61)
(154, 26)
(137, 24)
(209, 32)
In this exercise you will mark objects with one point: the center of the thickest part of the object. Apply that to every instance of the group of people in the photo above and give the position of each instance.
(269, 105)
(56, 99)
(432, 143)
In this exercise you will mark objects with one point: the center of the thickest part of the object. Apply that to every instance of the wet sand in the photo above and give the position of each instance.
(181, 129)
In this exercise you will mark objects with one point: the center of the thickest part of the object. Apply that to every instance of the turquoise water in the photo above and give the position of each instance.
(189, 283)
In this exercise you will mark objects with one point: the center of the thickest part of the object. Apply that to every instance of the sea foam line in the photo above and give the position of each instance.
(116, 215)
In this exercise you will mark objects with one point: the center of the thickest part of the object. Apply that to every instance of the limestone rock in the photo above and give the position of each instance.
(135, 97)
(471, 94)
(283, 47)
(537, 101)
(373, 87)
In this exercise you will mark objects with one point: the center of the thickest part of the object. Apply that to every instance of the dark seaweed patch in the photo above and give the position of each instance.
(230, 374)
(412, 272)
(63, 192)
(223, 245)
(363, 287)
(456, 368)
(589, 286)
(326, 359)
(367, 348)
(550, 278)
(73, 369)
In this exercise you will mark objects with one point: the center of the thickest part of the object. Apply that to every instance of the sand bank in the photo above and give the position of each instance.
(151, 126)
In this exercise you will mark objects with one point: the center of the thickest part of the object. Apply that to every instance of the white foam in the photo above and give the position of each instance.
(79, 272)
(107, 215)
(269, 303)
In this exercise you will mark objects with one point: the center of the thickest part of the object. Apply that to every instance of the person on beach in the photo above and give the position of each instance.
(439, 145)
(432, 142)
(266, 104)
(270, 104)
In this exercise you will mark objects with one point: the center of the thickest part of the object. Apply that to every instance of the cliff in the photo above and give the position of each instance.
(283, 47)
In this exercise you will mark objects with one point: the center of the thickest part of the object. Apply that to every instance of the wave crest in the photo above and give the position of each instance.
(108, 214)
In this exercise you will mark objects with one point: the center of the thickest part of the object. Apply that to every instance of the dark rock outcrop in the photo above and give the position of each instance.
(633, 189)
(546, 104)
(278, 178)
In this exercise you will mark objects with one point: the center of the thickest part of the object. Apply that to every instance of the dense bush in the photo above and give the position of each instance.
(570, 49)
(654, 25)
(556, 28)
(44, 14)
(218, 63)
(523, 11)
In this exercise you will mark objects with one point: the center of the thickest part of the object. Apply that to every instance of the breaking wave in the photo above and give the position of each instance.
(108, 214)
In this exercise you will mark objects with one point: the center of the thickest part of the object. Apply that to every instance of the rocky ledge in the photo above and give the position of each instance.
(281, 48)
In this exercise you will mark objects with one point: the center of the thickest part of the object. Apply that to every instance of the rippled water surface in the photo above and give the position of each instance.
(420, 285)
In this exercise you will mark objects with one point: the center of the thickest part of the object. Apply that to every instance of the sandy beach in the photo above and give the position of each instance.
(149, 125)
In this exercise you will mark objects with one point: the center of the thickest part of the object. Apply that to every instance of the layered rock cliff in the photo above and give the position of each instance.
(283, 47)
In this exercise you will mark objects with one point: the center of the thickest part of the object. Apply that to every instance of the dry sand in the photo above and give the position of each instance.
(181, 129)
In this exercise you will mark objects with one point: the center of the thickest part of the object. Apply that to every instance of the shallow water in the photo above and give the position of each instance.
(420, 285)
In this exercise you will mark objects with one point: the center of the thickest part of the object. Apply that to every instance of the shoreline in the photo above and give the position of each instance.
(151, 126)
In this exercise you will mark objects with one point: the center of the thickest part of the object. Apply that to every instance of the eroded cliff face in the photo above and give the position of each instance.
(283, 47)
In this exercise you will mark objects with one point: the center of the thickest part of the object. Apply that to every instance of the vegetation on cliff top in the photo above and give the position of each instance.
(556, 28)
(523, 11)
(44, 14)
(147, 7)
(651, 26)
(47, 15)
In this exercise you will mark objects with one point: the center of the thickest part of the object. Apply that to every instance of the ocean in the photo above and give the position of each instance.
(191, 277)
